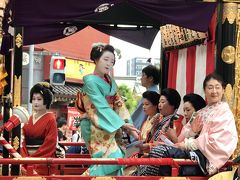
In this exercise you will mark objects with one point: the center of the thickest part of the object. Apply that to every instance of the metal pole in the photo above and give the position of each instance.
(30, 75)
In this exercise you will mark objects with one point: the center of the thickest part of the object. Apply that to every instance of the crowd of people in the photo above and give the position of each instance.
(205, 132)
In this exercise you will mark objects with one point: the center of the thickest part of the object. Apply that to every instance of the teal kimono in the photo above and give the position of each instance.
(102, 129)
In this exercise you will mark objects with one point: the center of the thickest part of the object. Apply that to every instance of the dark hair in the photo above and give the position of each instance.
(61, 121)
(172, 96)
(152, 96)
(46, 90)
(78, 125)
(152, 71)
(196, 100)
(97, 51)
(213, 76)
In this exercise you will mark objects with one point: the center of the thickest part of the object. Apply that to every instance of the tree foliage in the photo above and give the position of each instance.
(131, 100)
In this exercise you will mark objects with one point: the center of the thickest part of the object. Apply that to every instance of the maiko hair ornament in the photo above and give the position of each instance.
(99, 46)
(96, 51)
(46, 90)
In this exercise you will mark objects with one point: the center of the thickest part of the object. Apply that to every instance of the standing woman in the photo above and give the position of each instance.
(40, 132)
(106, 115)
(216, 141)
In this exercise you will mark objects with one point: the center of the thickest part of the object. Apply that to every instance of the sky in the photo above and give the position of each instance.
(129, 51)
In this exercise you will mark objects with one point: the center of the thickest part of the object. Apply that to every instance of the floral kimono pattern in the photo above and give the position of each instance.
(101, 131)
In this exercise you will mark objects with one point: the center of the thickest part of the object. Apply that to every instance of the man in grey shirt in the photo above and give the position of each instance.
(149, 80)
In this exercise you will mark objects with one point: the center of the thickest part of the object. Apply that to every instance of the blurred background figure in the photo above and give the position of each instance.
(149, 80)
(62, 128)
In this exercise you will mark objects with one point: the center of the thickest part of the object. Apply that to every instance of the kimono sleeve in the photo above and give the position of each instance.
(218, 138)
(106, 118)
(121, 109)
(48, 148)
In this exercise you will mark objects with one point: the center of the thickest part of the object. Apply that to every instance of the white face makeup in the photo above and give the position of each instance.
(38, 102)
(105, 63)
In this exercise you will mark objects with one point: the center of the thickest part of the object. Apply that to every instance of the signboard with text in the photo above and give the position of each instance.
(72, 113)
(76, 69)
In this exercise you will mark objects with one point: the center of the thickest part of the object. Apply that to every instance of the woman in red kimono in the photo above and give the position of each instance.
(40, 132)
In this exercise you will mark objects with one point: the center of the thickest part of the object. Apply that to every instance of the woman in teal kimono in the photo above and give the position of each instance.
(105, 114)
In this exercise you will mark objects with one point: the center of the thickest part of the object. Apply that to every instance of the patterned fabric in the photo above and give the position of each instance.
(45, 128)
(218, 122)
(101, 131)
(170, 151)
(146, 128)
(213, 150)
(156, 130)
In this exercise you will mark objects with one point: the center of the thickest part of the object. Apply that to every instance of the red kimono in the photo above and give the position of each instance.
(45, 129)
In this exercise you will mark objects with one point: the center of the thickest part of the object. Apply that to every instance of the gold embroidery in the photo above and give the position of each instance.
(228, 54)
(18, 40)
(229, 12)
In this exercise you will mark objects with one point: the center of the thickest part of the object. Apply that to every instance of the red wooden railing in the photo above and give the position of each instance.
(84, 160)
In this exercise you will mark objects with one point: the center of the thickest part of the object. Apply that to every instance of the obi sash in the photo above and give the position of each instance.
(33, 144)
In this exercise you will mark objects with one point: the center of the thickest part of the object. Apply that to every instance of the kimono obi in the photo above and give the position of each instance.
(33, 144)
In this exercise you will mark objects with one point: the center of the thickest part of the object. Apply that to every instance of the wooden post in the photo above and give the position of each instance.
(17, 88)
(226, 45)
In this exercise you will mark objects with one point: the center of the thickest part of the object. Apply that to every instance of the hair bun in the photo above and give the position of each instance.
(46, 85)
(98, 49)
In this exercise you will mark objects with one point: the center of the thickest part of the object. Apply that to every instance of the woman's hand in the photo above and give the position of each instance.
(180, 145)
(130, 129)
(197, 124)
(172, 135)
(145, 147)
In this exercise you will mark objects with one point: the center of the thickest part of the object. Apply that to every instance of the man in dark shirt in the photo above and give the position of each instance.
(62, 127)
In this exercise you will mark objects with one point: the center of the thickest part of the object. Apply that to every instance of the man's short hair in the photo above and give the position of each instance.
(152, 71)
(61, 121)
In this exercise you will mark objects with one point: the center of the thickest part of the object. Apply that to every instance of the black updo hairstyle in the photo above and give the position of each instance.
(151, 96)
(46, 90)
(172, 96)
(196, 100)
(98, 50)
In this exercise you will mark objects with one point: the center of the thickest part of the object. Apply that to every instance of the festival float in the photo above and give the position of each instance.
(190, 27)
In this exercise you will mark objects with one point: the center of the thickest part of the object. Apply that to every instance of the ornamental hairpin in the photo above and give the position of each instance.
(45, 84)
(99, 46)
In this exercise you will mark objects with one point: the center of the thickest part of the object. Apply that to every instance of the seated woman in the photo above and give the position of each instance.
(168, 104)
(150, 108)
(192, 103)
(216, 141)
